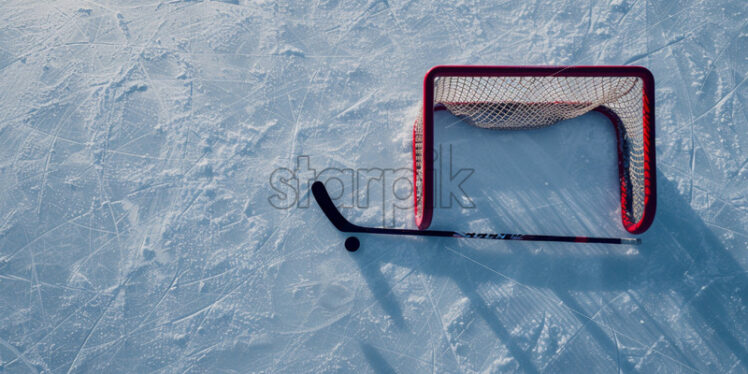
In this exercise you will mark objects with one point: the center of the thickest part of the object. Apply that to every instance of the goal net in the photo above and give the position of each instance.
(509, 98)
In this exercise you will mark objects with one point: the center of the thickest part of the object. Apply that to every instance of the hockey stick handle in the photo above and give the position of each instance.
(328, 207)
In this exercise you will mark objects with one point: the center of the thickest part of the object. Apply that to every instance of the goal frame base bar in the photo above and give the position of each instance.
(423, 219)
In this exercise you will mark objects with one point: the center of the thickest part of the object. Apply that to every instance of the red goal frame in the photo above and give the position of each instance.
(423, 220)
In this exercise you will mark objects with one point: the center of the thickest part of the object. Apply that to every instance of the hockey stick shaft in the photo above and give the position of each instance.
(328, 207)
(550, 238)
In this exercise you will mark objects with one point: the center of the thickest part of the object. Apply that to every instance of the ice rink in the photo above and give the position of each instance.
(155, 213)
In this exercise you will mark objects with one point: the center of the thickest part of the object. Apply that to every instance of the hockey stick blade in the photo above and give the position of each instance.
(333, 214)
(328, 207)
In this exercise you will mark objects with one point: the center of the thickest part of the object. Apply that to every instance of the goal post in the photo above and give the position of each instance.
(526, 97)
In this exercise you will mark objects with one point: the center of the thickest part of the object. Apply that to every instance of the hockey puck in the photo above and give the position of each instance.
(351, 244)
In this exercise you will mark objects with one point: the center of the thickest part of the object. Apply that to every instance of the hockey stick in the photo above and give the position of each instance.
(328, 207)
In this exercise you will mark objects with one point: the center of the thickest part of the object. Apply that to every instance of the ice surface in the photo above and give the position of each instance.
(139, 231)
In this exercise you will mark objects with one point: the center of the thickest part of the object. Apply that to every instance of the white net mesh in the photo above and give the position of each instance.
(510, 102)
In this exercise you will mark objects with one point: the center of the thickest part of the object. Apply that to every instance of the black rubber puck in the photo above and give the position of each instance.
(351, 244)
